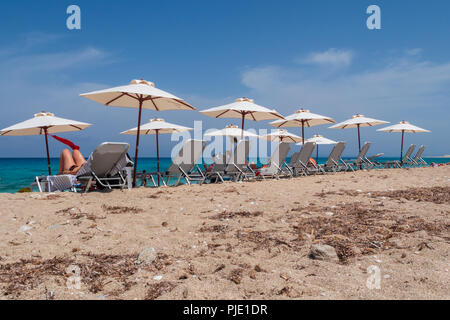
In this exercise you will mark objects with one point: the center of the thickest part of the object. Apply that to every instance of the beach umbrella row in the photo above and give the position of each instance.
(142, 94)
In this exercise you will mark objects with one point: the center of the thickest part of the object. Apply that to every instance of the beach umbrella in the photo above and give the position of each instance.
(157, 127)
(231, 131)
(318, 139)
(282, 136)
(44, 123)
(243, 108)
(358, 121)
(138, 94)
(302, 118)
(403, 126)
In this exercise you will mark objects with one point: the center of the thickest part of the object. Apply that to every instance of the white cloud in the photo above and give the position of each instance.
(331, 57)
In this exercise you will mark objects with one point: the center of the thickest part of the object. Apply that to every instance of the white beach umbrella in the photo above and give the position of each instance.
(139, 94)
(302, 118)
(243, 108)
(403, 126)
(318, 139)
(231, 131)
(157, 127)
(358, 121)
(282, 135)
(44, 123)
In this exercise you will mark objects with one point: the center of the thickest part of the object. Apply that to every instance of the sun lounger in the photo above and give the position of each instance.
(301, 165)
(334, 162)
(361, 161)
(184, 165)
(417, 160)
(288, 168)
(237, 168)
(274, 167)
(104, 169)
(399, 164)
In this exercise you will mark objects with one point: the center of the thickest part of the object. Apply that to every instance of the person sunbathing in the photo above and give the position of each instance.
(70, 163)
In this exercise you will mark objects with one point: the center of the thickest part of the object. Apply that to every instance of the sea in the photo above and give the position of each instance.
(19, 173)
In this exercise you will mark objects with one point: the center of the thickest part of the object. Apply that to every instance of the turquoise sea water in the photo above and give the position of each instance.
(18, 173)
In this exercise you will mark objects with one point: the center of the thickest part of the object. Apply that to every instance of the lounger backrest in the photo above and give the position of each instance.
(294, 159)
(188, 156)
(280, 154)
(106, 156)
(240, 156)
(335, 155)
(409, 152)
(306, 152)
(220, 162)
(419, 153)
(362, 154)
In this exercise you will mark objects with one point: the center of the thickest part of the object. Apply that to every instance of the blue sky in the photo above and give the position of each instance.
(285, 54)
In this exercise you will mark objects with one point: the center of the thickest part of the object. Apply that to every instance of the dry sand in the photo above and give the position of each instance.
(234, 240)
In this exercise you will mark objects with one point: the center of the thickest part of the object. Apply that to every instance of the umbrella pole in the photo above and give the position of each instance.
(317, 154)
(303, 132)
(137, 143)
(157, 154)
(401, 150)
(359, 140)
(242, 133)
(48, 154)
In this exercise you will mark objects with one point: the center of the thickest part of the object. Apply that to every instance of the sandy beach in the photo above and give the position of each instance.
(249, 240)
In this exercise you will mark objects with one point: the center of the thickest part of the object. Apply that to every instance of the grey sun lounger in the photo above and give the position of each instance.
(104, 169)
(334, 162)
(288, 168)
(399, 164)
(301, 165)
(417, 160)
(105, 166)
(237, 168)
(361, 160)
(184, 165)
(278, 158)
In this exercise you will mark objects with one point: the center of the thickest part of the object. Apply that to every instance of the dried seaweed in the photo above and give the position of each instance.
(215, 228)
(95, 271)
(367, 228)
(158, 289)
(438, 195)
(121, 209)
(240, 214)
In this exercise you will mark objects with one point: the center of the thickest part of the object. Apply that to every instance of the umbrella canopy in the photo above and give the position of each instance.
(358, 121)
(318, 139)
(282, 136)
(139, 94)
(243, 108)
(44, 123)
(302, 118)
(403, 126)
(157, 126)
(231, 131)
